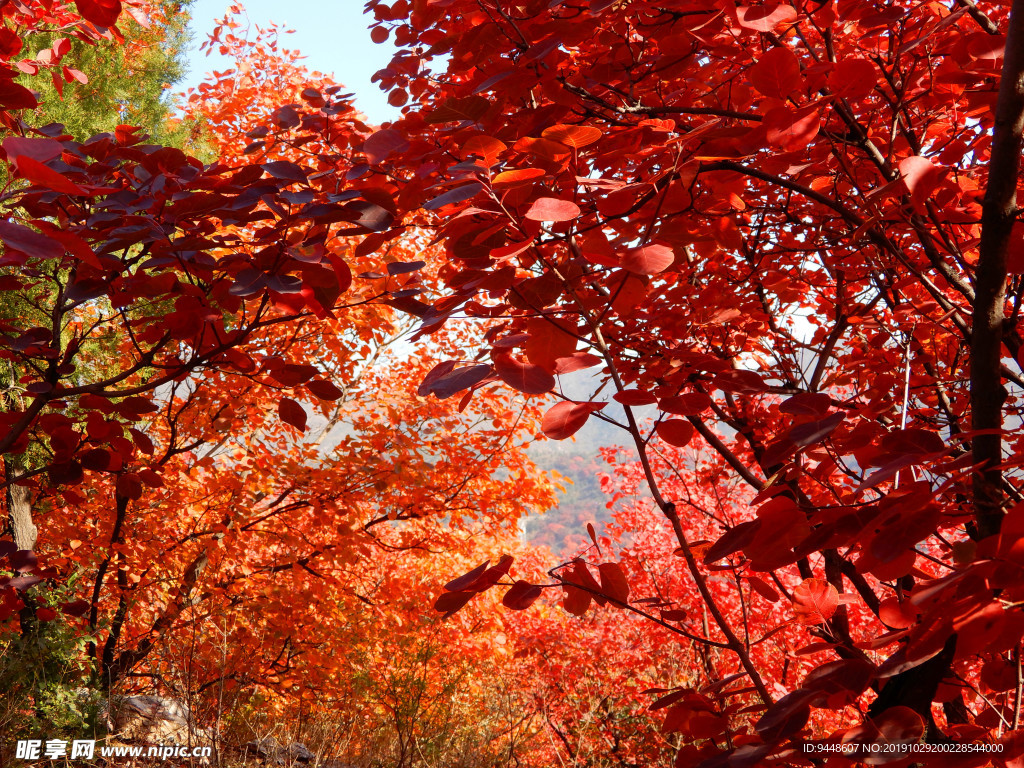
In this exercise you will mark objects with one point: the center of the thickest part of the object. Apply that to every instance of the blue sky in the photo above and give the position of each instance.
(333, 36)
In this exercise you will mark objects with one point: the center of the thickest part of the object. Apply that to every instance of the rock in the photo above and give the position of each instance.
(151, 719)
(273, 752)
(155, 720)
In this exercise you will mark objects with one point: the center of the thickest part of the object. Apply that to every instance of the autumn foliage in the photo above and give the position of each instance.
(777, 245)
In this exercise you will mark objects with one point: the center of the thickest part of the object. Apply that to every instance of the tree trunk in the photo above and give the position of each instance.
(999, 211)
(19, 506)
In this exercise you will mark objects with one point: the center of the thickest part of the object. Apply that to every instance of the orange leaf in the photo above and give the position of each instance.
(517, 177)
(575, 136)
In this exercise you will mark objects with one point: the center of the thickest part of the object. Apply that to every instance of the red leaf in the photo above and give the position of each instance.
(553, 209)
(457, 110)
(492, 575)
(10, 43)
(580, 575)
(486, 147)
(29, 242)
(921, 177)
(896, 614)
(689, 404)
(740, 381)
(72, 243)
(382, 144)
(675, 432)
(763, 589)
(807, 404)
(481, 578)
(764, 18)
(70, 73)
(550, 339)
(776, 73)
(648, 260)
(41, 150)
(786, 716)
(102, 13)
(565, 419)
(634, 397)
(14, 96)
(577, 361)
(292, 413)
(853, 78)
(34, 171)
(529, 379)
(815, 601)
(521, 595)
(129, 486)
(613, 582)
(732, 541)
(695, 718)
(791, 129)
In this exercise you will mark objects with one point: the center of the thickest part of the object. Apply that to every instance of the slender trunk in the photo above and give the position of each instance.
(19, 506)
(999, 212)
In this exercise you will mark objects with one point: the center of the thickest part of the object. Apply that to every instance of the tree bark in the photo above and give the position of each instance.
(19, 506)
(999, 211)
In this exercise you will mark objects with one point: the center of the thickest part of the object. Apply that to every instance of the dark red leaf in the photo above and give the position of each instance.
(450, 602)
(324, 390)
(286, 170)
(29, 242)
(292, 413)
(75, 608)
(613, 582)
(521, 595)
(453, 196)
(466, 579)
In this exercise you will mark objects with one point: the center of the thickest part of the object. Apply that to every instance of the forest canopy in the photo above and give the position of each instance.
(274, 380)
